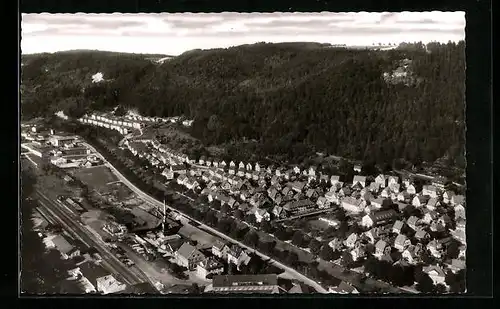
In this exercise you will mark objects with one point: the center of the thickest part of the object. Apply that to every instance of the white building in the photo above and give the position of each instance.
(108, 285)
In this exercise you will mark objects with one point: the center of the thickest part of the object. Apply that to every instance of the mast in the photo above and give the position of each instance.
(164, 216)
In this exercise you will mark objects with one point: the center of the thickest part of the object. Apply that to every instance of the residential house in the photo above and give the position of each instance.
(421, 234)
(361, 180)
(457, 200)
(374, 234)
(241, 165)
(335, 244)
(456, 265)
(412, 189)
(393, 180)
(262, 215)
(413, 222)
(241, 172)
(436, 273)
(357, 168)
(237, 256)
(297, 186)
(437, 226)
(182, 179)
(257, 167)
(345, 191)
(447, 196)
(312, 171)
(437, 247)
(322, 202)
(279, 172)
(332, 197)
(375, 187)
(401, 242)
(222, 164)
(232, 170)
(312, 193)
(380, 202)
(401, 206)
(351, 240)
(109, 285)
(334, 179)
(201, 161)
(324, 178)
(209, 266)
(459, 211)
(398, 225)
(407, 180)
(381, 248)
(278, 212)
(357, 253)
(337, 186)
(420, 200)
(429, 216)
(294, 207)
(404, 196)
(287, 191)
(353, 205)
(382, 180)
(178, 169)
(459, 232)
(188, 256)
(386, 192)
(275, 180)
(343, 287)
(296, 170)
(215, 164)
(412, 254)
(379, 218)
(430, 190)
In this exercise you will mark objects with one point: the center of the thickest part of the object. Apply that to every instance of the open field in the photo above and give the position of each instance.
(120, 191)
(96, 177)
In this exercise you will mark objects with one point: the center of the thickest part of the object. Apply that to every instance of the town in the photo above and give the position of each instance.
(234, 227)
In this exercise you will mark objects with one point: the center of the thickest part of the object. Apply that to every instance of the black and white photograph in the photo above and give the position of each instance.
(243, 153)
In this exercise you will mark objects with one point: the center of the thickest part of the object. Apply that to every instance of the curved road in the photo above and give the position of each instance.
(157, 203)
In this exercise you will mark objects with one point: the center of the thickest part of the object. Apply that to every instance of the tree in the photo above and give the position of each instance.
(453, 250)
(225, 209)
(298, 239)
(252, 239)
(266, 227)
(238, 214)
(425, 284)
(440, 288)
(347, 259)
(315, 246)
(326, 253)
(292, 259)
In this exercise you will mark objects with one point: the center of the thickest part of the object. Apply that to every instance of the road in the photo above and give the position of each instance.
(78, 230)
(157, 203)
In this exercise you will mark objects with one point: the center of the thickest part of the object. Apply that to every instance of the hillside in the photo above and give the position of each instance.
(289, 99)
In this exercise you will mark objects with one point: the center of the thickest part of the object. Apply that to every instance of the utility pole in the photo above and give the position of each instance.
(164, 216)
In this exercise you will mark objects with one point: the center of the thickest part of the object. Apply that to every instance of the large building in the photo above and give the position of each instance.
(244, 284)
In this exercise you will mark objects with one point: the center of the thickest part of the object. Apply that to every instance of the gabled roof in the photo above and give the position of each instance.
(412, 220)
(435, 268)
(62, 244)
(186, 250)
(383, 215)
(380, 245)
(359, 178)
(400, 240)
(398, 225)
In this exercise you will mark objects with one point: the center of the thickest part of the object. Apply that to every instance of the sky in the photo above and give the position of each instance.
(173, 34)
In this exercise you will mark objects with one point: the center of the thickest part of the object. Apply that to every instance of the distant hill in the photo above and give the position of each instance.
(290, 98)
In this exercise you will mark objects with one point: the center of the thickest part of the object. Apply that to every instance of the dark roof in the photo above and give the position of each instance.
(139, 288)
(383, 215)
(244, 280)
(92, 271)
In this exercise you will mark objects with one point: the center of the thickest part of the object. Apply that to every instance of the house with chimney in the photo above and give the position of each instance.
(237, 256)
(188, 256)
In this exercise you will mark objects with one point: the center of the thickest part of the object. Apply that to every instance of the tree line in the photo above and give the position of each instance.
(286, 100)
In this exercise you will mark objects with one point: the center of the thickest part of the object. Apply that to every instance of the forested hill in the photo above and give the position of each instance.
(291, 99)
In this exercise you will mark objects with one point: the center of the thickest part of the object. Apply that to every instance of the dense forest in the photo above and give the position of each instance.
(287, 99)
